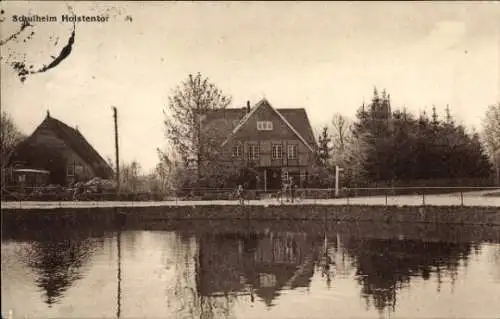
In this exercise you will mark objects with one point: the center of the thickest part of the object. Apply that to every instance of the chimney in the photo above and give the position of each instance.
(48, 113)
(248, 106)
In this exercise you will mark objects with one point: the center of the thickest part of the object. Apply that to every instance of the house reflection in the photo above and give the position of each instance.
(209, 270)
(261, 265)
(256, 264)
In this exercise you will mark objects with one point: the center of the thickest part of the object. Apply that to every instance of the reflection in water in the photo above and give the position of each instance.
(198, 270)
(57, 263)
(256, 264)
(385, 266)
(118, 274)
(266, 264)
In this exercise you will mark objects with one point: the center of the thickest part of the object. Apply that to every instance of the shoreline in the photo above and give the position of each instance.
(464, 215)
(455, 200)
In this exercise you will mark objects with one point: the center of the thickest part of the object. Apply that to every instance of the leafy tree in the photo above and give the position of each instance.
(187, 107)
(491, 136)
(9, 138)
(130, 176)
(159, 179)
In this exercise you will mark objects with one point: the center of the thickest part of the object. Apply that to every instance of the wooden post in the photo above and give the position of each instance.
(337, 174)
(117, 156)
(265, 179)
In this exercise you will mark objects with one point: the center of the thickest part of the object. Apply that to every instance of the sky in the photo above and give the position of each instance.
(325, 57)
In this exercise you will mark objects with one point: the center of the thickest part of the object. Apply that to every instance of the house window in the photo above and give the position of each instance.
(70, 170)
(277, 151)
(253, 152)
(264, 125)
(292, 151)
(237, 151)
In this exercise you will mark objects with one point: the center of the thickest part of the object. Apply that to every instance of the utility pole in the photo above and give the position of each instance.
(115, 116)
(337, 175)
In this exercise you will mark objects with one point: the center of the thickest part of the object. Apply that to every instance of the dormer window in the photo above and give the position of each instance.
(264, 125)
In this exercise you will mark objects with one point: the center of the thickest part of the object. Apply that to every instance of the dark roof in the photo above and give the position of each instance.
(299, 120)
(75, 140)
(229, 113)
(287, 276)
(297, 117)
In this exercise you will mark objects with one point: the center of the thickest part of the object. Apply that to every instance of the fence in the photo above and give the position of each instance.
(461, 195)
(58, 193)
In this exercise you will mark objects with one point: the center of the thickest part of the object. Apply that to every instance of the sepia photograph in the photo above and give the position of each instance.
(250, 159)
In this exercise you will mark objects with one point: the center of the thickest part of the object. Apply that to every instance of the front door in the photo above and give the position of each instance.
(273, 178)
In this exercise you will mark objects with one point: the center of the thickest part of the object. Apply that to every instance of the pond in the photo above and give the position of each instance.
(248, 269)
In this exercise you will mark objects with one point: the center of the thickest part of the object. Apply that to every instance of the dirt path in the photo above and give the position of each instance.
(468, 199)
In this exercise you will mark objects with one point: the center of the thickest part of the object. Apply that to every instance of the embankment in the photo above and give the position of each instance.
(384, 214)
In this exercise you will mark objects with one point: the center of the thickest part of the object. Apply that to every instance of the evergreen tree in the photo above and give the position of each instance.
(324, 149)
(403, 148)
(373, 125)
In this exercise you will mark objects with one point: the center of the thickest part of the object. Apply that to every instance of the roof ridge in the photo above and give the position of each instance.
(264, 101)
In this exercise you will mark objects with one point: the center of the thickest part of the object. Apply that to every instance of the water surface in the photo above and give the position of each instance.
(215, 269)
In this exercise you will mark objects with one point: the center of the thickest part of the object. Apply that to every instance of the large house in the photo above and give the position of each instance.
(276, 143)
(62, 151)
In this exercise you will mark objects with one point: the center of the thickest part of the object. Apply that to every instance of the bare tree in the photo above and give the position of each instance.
(10, 137)
(341, 132)
(187, 107)
(130, 175)
(355, 155)
(349, 151)
(491, 136)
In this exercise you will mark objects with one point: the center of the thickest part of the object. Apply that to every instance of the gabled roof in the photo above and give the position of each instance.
(75, 140)
(300, 121)
(295, 119)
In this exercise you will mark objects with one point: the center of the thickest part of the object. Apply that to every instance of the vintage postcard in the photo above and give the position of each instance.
(250, 159)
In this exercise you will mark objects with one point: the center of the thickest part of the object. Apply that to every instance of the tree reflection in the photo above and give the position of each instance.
(384, 266)
(57, 264)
